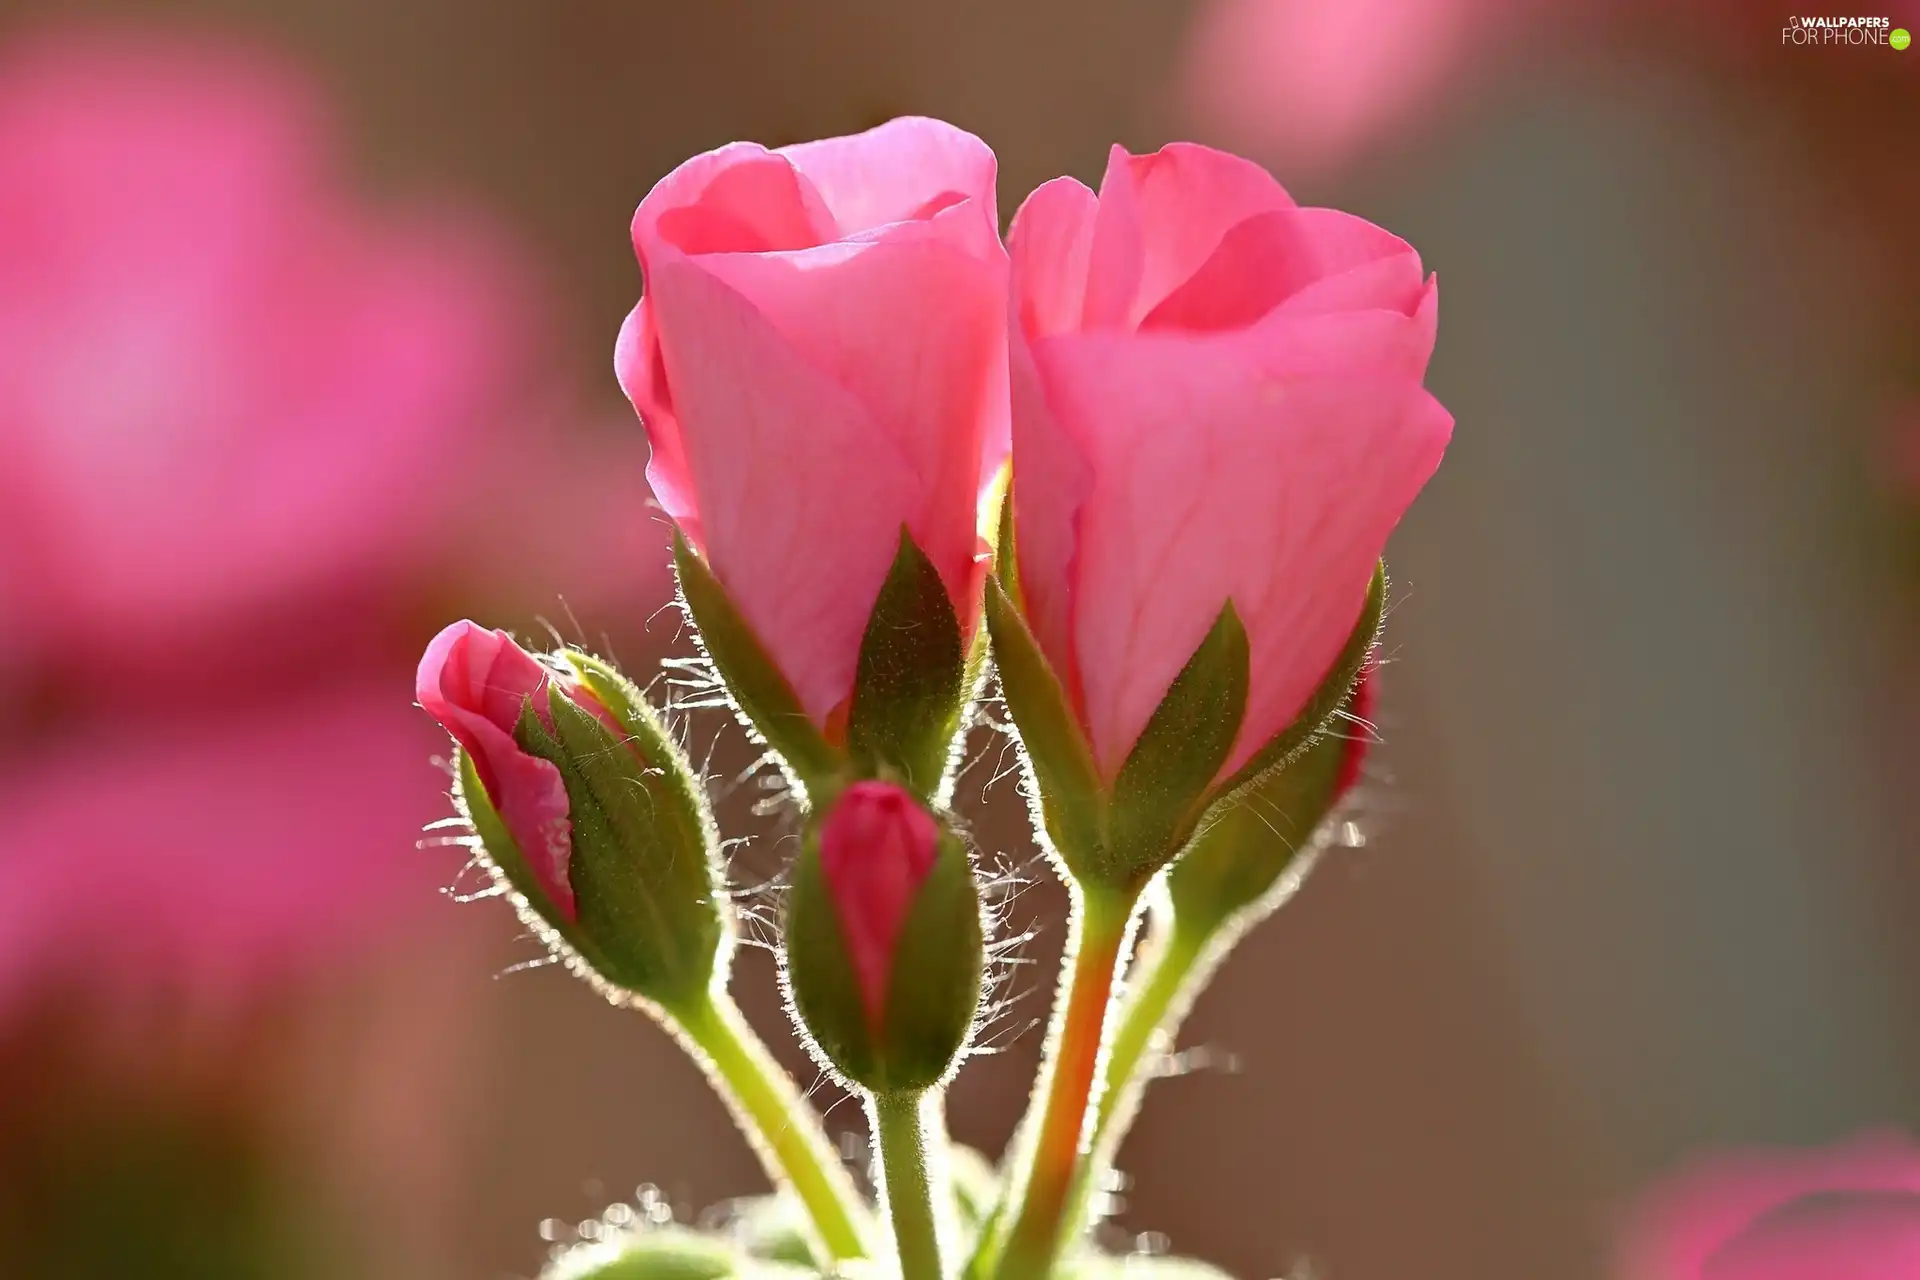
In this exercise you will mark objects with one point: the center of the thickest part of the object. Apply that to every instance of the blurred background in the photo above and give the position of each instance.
(306, 312)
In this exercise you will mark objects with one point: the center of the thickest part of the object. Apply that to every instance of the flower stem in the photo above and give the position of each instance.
(778, 1123)
(1066, 1097)
(907, 1174)
(1176, 968)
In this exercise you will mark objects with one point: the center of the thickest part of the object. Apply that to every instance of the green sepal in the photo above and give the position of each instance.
(1070, 797)
(1166, 782)
(818, 974)
(650, 914)
(933, 990)
(761, 694)
(646, 735)
(1005, 561)
(665, 1253)
(911, 683)
(1246, 844)
(1327, 698)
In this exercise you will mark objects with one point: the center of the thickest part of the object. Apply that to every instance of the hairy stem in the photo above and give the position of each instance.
(1056, 1135)
(777, 1121)
(1175, 968)
(909, 1170)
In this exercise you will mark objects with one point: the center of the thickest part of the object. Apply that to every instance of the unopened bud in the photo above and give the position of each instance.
(884, 944)
(586, 808)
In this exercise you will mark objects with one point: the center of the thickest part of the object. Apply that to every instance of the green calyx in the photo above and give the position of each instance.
(914, 679)
(650, 915)
(765, 701)
(1334, 690)
(912, 684)
(1120, 835)
(1237, 860)
(933, 988)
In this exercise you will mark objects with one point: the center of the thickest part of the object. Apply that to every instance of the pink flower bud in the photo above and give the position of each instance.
(820, 360)
(1216, 397)
(1848, 1213)
(475, 683)
(877, 847)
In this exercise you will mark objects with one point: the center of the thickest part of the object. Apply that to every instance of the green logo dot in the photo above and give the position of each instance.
(1899, 38)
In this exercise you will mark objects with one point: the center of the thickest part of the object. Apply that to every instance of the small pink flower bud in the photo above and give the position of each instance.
(884, 944)
(877, 847)
(583, 803)
(476, 683)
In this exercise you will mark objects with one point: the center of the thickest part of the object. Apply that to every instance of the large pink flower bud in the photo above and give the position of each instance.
(820, 362)
(1217, 400)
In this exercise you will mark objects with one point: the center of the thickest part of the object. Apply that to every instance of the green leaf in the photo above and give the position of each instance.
(1071, 797)
(911, 682)
(1166, 781)
(762, 694)
(934, 990)
(1333, 691)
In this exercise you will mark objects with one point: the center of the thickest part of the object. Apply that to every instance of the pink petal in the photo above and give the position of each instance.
(474, 682)
(1262, 262)
(1213, 479)
(934, 379)
(740, 198)
(641, 369)
(1161, 216)
(1053, 478)
(898, 172)
(877, 847)
(802, 493)
(1049, 245)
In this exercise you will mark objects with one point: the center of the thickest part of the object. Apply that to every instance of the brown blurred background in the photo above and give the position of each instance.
(1636, 880)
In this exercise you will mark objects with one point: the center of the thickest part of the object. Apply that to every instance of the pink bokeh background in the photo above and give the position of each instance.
(305, 315)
